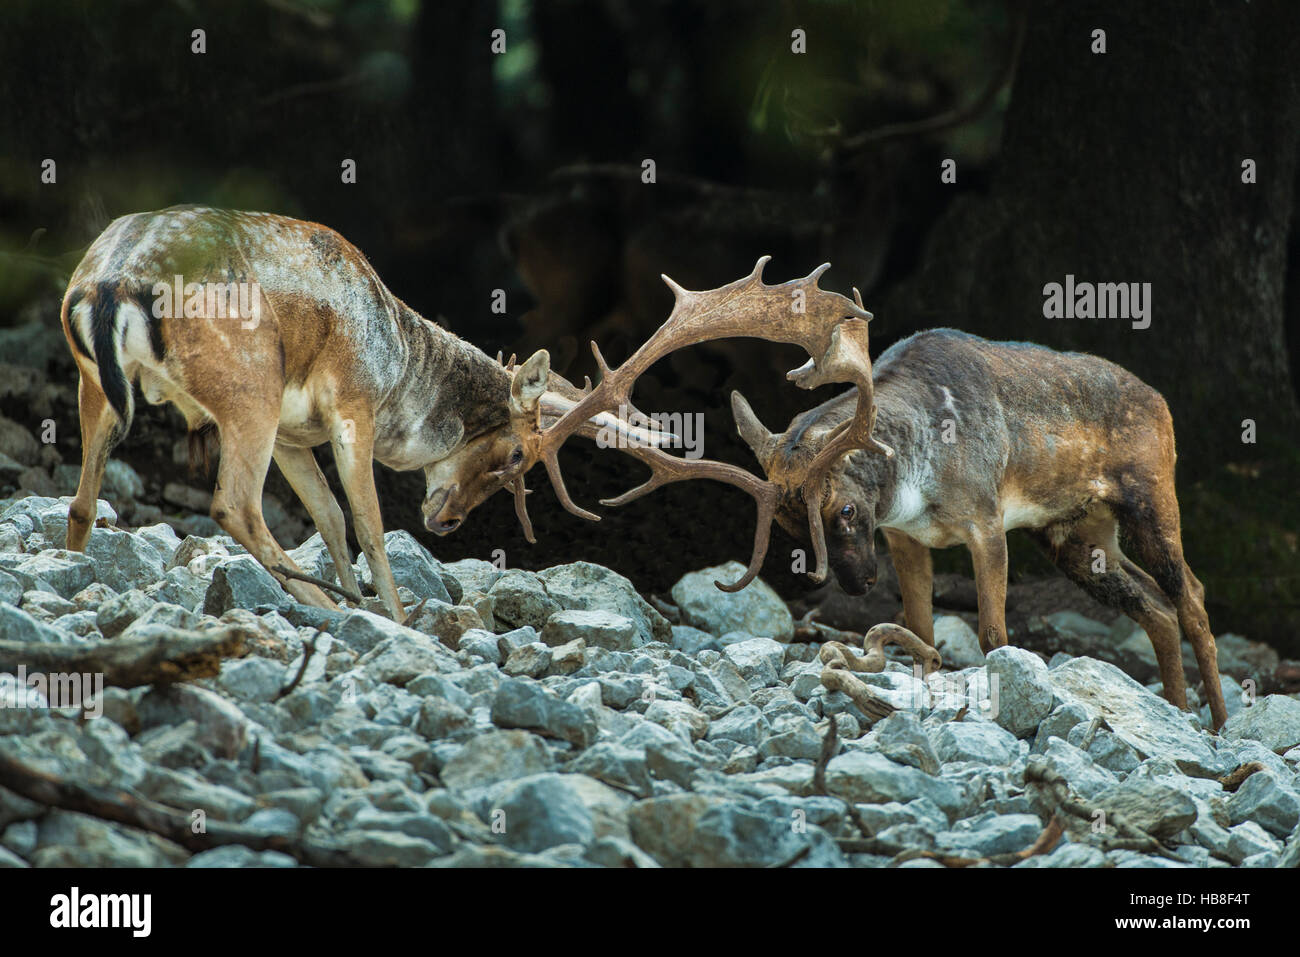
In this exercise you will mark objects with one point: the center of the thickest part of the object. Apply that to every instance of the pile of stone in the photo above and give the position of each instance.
(559, 718)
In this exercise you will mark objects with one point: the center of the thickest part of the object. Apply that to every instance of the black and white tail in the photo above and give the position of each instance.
(97, 317)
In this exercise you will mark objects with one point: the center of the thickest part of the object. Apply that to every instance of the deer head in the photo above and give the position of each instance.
(501, 456)
(848, 511)
(831, 329)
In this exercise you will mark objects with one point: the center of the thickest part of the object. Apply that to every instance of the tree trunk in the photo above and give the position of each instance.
(1126, 166)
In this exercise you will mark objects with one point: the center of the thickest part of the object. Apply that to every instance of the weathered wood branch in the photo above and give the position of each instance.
(347, 593)
(159, 654)
(1131, 837)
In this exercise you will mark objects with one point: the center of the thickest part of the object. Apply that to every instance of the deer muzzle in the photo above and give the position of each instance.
(442, 513)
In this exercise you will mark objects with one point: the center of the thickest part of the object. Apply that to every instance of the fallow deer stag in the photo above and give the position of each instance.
(990, 436)
(315, 349)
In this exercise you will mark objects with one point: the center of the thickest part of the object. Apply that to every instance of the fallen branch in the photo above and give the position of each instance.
(1131, 837)
(286, 572)
(830, 744)
(1237, 777)
(667, 609)
(1045, 843)
(959, 115)
(308, 650)
(158, 654)
(808, 629)
(122, 807)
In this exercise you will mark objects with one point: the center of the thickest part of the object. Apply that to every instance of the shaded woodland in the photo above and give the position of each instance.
(523, 171)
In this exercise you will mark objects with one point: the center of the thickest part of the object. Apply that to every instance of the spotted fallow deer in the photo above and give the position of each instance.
(950, 439)
(279, 334)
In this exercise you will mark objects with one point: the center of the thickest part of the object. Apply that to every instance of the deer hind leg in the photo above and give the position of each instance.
(304, 475)
(1089, 554)
(246, 447)
(988, 549)
(353, 444)
(1152, 531)
(100, 426)
(915, 568)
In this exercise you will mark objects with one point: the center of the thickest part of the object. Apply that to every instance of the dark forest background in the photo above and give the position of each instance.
(522, 171)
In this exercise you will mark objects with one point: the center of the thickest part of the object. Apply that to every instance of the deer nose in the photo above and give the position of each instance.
(444, 526)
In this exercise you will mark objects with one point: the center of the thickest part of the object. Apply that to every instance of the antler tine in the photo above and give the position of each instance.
(521, 508)
(666, 469)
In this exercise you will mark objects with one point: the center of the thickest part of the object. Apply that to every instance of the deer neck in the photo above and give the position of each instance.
(445, 393)
(899, 481)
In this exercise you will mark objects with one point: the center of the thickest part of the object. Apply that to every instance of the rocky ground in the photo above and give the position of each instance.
(559, 718)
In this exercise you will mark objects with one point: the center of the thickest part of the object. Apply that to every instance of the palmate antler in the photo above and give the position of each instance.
(830, 328)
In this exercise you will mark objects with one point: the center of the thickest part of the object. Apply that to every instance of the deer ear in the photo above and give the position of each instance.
(529, 383)
(755, 434)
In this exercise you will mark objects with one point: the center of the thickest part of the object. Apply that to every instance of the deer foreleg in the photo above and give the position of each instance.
(915, 568)
(988, 549)
(304, 475)
(237, 502)
(353, 445)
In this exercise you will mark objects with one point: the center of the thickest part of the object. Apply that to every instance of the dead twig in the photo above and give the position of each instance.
(808, 629)
(318, 582)
(830, 744)
(309, 649)
(1131, 837)
(667, 609)
(962, 114)
(1045, 843)
(1237, 777)
(1090, 733)
(415, 613)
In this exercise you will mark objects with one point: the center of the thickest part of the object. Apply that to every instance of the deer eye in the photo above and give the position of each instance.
(516, 456)
(848, 510)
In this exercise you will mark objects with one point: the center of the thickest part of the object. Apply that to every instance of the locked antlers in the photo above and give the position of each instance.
(829, 327)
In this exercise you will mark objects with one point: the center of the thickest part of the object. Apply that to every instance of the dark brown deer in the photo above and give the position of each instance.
(279, 334)
(950, 439)
(991, 436)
